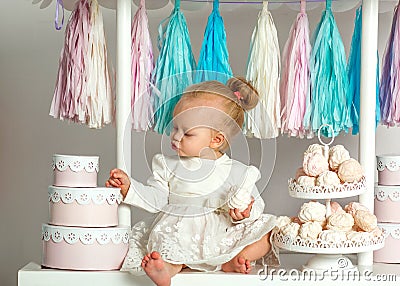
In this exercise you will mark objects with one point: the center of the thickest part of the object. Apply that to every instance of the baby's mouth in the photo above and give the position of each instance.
(174, 146)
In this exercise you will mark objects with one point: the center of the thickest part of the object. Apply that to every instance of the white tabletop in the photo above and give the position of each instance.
(288, 274)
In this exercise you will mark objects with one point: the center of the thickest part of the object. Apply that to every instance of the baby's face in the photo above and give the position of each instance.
(194, 128)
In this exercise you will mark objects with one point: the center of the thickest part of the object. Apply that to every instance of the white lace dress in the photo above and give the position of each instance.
(193, 226)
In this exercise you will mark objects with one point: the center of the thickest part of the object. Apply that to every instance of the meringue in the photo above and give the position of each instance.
(352, 207)
(239, 199)
(376, 232)
(365, 220)
(306, 181)
(328, 178)
(312, 211)
(310, 230)
(340, 222)
(350, 171)
(359, 236)
(337, 155)
(291, 229)
(332, 236)
(296, 220)
(314, 148)
(315, 164)
(336, 208)
(300, 172)
(281, 221)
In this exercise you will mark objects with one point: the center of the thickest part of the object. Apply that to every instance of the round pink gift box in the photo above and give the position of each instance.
(388, 169)
(390, 253)
(84, 248)
(75, 171)
(84, 207)
(387, 203)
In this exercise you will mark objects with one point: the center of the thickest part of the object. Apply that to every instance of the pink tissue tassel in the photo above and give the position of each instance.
(295, 80)
(142, 66)
(83, 90)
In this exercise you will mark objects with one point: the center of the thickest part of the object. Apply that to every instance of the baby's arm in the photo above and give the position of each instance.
(151, 197)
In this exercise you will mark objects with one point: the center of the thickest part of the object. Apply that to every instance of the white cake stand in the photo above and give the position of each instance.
(329, 255)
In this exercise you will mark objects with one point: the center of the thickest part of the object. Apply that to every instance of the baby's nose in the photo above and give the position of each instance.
(177, 135)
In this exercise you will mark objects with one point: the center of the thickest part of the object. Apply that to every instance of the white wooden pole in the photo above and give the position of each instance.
(123, 100)
(369, 44)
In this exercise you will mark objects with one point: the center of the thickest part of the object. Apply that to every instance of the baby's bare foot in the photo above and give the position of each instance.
(237, 264)
(156, 269)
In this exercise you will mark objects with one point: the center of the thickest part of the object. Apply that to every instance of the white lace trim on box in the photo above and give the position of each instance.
(76, 163)
(392, 163)
(390, 229)
(383, 193)
(85, 235)
(85, 196)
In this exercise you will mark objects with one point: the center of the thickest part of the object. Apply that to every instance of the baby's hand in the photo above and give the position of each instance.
(119, 179)
(238, 215)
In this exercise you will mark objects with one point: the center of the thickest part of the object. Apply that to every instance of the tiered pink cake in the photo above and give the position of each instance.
(387, 207)
(82, 233)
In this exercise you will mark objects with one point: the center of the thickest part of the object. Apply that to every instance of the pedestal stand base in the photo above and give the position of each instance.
(327, 264)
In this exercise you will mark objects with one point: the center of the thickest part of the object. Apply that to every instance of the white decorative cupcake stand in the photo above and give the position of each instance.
(329, 255)
(33, 274)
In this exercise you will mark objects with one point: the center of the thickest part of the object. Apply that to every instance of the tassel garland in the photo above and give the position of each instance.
(329, 82)
(142, 66)
(83, 90)
(214, 58)
(389, 91)
(294, 87)
(263, 71)
(354, 74)
(174, 68)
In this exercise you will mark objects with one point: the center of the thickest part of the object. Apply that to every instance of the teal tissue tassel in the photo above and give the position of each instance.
(174, 68)
(354, 75)
(213, 61)
(329, 82)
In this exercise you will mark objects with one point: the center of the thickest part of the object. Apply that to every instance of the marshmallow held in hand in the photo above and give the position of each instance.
(239, 199)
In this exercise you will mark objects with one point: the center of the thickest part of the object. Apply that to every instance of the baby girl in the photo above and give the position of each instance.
(210, 213)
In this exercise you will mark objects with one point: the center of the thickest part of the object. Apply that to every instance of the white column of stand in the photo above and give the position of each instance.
(369, 43)
(123, 100)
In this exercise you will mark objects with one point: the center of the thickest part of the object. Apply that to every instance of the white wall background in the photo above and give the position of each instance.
(29, 53)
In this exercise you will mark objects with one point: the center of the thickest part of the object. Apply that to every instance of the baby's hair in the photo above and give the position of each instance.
(248, 95)
(237, 95)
